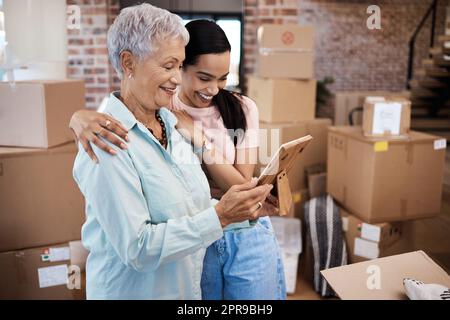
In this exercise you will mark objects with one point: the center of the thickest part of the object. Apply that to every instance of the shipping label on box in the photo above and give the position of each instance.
(52, 276)
(386, 118)
(366, 249)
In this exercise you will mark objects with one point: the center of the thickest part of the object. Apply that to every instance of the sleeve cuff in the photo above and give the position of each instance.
(208, 224)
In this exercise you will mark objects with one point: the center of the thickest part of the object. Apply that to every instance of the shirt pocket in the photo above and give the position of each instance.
(163, 193)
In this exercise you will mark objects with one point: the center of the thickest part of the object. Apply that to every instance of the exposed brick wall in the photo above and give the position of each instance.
(87, 51)
(358, 58)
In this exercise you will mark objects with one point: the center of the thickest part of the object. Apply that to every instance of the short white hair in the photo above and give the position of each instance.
(139, 29)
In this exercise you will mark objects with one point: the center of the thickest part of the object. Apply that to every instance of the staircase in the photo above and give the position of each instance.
(430, 87)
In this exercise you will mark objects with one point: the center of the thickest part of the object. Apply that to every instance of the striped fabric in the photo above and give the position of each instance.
(324, 229)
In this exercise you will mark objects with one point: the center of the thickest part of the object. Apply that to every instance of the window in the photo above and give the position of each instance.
(232, 25)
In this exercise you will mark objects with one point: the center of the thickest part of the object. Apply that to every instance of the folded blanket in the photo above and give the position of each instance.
(324, 229)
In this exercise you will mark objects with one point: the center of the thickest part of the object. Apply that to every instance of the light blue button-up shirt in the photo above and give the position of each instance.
(149, 215)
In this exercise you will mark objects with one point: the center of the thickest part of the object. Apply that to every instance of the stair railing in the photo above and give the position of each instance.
(431, 11)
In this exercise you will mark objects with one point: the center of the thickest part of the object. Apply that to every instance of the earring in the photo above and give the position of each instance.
(130, 76)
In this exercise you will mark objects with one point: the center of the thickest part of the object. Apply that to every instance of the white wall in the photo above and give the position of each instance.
(36, 32)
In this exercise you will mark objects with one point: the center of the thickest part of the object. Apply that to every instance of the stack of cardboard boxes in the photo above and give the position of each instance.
(42, 210)
(383, 175)
(284, 90)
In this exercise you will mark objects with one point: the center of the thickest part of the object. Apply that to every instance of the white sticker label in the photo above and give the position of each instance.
(366, 249)
(344, 224)
(52, 276)
(386, 117)
(59, 254)
(370, 232)
(440, 144)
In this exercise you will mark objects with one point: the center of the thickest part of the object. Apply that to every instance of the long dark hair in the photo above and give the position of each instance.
(207, 37)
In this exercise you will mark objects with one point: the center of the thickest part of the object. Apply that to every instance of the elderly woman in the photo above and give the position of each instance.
(150, 215)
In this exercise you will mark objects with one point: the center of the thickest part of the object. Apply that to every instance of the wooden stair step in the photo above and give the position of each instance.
(428, 62)
(443, 38)
(430, 123)
(439, 50)
(420, 72)
(441, 62)
(421, 112)
(420, 92)
(426, 102)
(428, 83)
(437, 72)
(435, 50)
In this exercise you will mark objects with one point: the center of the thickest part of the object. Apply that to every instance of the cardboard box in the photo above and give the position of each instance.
(385, 180)
(386, 117)
(299, 197)
(382, 279)
(289, 236)
(273, 135)
(317, 185)
(280, 100)
(41, 273)
(371, 241)
(37, 113)
(285, 51)
(346, 101)
(317, 180)
(40, 203)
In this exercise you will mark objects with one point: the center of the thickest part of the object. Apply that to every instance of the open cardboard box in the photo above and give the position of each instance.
(382, 279)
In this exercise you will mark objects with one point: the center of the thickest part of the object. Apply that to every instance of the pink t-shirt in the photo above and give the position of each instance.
(216, 132)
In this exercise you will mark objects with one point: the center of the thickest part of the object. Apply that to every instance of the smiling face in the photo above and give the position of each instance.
(154, 80)
(202, 81)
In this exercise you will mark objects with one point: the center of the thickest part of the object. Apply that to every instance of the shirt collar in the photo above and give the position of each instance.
(117, 109)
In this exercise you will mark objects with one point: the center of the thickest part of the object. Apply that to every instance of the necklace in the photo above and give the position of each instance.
(163, 140)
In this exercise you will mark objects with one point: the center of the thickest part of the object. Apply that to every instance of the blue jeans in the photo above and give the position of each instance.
(245, 264)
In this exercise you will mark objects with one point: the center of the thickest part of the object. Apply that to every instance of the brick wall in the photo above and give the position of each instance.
(358, 58)
(87, 51)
